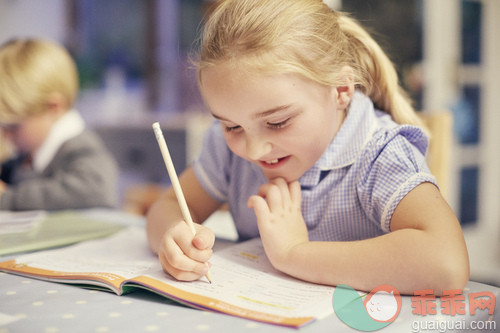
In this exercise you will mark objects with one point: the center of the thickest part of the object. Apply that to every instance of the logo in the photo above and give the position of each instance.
(367, 312)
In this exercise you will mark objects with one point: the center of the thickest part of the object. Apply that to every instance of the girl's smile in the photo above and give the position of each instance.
(283, 123)
(275, 163)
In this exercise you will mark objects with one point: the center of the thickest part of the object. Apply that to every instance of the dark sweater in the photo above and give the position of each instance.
(82, 174)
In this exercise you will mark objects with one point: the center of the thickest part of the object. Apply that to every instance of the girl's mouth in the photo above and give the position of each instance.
(271, 164)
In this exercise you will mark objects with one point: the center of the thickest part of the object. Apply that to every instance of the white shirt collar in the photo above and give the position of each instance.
(67, 127)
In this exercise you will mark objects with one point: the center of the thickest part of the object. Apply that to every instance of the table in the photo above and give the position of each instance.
(30, 305)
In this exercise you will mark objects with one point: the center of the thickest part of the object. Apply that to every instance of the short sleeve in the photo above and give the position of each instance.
(393, 164)
(212, 165)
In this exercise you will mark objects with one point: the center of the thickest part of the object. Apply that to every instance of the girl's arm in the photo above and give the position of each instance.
(181, 254)
(424, 250)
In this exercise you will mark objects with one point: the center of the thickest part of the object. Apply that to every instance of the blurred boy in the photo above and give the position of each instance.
(59, 164)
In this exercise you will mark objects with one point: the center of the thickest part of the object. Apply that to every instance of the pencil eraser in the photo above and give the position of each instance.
(157, 131)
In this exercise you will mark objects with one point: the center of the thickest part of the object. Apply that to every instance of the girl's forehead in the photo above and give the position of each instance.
(229, 72)
(246, 76)
(225, 92)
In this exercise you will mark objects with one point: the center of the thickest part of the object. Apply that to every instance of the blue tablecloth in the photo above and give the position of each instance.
(30, 305)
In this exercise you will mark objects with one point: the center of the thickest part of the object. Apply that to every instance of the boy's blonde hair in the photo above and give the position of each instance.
(304, 37)
(30, 70)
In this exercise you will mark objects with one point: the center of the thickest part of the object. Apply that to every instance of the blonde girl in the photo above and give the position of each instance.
(316, 149)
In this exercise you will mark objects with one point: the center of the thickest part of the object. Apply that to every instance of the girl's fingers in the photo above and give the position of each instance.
(274, 198)
(276, 193)
(284, 190)
(264, 189)
(204, 239)
(184, 275)
(198, 248)
(187, 259)
(259, 205)
(295, 192)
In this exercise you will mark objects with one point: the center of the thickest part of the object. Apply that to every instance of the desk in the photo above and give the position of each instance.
(29, 305)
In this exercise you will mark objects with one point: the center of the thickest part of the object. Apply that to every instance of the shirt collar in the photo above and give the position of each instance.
(357, 128)
(67, 127)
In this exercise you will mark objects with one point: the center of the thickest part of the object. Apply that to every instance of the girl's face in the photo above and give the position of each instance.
(282, 123)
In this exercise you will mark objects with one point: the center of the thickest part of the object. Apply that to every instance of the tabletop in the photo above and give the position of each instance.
(30, 305)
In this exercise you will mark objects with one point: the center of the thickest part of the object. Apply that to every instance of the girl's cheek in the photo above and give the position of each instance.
(236, 145)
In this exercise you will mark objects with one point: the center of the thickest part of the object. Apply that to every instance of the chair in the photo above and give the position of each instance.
(440, 126)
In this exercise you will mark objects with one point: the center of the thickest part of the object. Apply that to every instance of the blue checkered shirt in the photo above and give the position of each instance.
(352, 190)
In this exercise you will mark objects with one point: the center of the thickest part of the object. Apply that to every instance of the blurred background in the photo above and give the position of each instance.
(133, 60)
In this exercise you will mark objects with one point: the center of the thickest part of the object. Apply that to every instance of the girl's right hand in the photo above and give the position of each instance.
(183, 255)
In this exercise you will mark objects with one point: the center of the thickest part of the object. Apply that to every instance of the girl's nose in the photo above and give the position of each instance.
(257, 147)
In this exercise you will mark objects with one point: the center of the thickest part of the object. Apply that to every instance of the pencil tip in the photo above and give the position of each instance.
(208, 275)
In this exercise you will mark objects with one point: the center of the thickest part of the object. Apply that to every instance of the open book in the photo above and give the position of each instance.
(244, 283)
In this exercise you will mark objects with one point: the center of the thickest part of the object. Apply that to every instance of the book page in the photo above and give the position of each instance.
(126, 254)
(243, 280)
(243, 277)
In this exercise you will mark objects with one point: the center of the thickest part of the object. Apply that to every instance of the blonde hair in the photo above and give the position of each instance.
(304, 37)
(30, 70)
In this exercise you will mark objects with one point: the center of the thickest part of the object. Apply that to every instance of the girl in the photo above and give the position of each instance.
(315, 150)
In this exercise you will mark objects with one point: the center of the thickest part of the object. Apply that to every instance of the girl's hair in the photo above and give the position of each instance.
(30, 70)
(303, 37)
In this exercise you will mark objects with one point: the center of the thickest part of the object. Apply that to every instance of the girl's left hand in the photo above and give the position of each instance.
(279, 218)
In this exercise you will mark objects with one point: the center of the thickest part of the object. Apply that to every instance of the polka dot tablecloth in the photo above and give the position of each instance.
(29, 305)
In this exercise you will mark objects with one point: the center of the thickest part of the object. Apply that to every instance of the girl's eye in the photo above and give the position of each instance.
(232, 128)
(279, 124)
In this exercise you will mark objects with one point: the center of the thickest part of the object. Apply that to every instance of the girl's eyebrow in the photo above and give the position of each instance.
(271, 111)
(218, 117)
(260, 114)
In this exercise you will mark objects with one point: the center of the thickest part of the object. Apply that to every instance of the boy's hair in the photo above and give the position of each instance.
(303, 37)
(30, 70)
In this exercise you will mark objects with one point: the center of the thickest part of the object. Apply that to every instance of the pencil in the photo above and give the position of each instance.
(175, 182)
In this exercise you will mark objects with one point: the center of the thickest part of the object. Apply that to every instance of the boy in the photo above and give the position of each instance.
(59, 164)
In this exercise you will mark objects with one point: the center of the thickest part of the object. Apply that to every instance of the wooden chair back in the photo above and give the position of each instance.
(439, 155)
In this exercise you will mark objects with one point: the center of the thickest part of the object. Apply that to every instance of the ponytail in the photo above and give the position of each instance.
(379, 79)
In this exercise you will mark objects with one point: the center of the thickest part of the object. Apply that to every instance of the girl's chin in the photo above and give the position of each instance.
(288, 178)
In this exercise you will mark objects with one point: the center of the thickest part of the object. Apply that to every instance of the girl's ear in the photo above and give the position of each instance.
(345, 92)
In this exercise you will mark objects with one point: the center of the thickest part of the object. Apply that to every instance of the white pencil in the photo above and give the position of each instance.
(175, 182)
